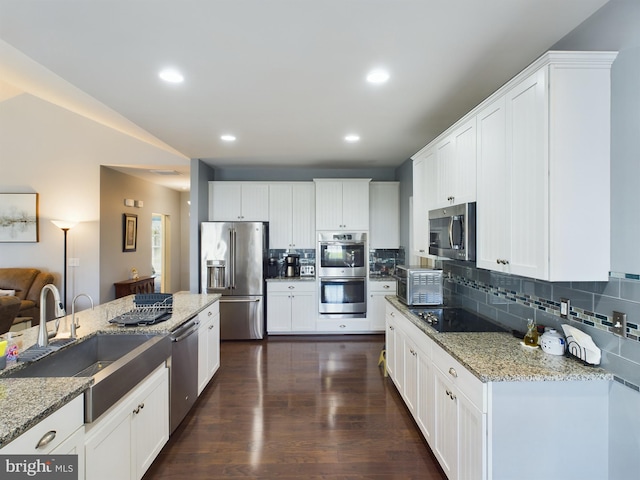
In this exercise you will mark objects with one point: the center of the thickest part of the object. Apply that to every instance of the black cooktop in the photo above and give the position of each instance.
(455, 319)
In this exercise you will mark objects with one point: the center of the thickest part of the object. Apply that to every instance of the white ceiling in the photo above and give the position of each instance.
(287, 77)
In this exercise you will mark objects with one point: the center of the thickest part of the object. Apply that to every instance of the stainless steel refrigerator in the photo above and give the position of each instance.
(233, 256)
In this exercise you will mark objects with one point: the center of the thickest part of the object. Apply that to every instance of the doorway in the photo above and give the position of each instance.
(160, 251)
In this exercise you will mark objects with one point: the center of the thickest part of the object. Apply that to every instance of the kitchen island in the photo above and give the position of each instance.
(24, 402)
(486, 404)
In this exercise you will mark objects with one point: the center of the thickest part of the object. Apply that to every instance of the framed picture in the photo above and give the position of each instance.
(18, 217)
(130, 232)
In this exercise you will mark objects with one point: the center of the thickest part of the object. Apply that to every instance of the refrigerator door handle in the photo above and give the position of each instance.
(233, 258)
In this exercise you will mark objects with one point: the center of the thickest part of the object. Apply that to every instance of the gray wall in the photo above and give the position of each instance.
(201, 174)
(115, 265)
(404, 174)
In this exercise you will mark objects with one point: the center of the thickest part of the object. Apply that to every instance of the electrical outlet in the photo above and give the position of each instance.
(73, 262)
(565, 307)
(619, 323)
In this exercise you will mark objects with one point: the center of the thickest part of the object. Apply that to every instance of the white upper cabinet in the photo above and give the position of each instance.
(543, 171)
(342, 204)
(292, 215)
(384, 215)
(239, 201)
(456, 165)
(425, 184)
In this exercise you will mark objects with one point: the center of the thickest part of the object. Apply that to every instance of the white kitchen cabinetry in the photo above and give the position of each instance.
(543, 177)
(126, 439)
(425, 184)
(292, 221)
(393, 347)
(208, 345)
(456, 154)
(342, 204)
(239, 201)
(291, 307)
(61, 433)
(376, 306)
(384, 215)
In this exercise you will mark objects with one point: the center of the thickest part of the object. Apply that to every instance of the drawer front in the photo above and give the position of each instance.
(383, 287)
(465, 381)
(343, 325)
(63, 422)
(291, 286)
(210, 311)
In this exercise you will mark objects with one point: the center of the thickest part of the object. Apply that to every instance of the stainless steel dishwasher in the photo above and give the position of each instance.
(184, 371)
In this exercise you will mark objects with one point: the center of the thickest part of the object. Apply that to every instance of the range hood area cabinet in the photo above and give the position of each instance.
(292, 222)
(543, 207)
(384, 215)
(342, 204)
(542, 169)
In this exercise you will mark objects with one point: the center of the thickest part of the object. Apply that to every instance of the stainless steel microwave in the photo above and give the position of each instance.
(452, 232)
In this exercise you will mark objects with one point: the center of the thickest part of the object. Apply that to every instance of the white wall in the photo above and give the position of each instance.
(51, 151)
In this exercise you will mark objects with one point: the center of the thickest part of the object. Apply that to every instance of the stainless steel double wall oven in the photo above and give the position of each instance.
(342, 260)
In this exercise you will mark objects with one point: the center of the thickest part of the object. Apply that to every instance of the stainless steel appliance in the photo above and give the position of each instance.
(452, 232)
(343, 297)
(184, 371)
(342, 254)
(307, 270)
(292, 265)
(418, 285)
(233, 256)
(455, 319)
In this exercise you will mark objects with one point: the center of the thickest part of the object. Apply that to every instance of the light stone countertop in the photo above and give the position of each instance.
(499, 357)
(26, 401)
(291, 279)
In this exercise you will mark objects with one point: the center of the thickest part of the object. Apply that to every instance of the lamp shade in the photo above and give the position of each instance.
(64, 224)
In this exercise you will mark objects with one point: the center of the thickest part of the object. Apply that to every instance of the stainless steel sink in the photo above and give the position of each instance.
(117, 363)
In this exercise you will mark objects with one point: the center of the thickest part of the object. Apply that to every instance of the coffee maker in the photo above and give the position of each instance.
(292, 265)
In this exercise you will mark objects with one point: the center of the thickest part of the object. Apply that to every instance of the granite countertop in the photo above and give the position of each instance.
(499, 357)
(382, 278)
(26, 401)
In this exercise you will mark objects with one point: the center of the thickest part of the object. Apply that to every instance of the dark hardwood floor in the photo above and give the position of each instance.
(298, 408)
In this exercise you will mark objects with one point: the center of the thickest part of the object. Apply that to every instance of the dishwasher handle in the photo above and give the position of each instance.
(185, 331)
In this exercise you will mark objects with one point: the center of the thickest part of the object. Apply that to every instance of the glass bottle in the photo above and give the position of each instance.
(531, 337)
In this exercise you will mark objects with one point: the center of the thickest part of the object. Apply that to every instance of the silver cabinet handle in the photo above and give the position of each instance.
(209, 313)
(391, 327)
(343, 326)
(386, 286)
(46, 439)
(453, 373)
(210, 327)
(138, 408)
(291, 287)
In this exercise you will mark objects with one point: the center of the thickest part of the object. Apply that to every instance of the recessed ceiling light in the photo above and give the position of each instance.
(171, 75)
(352, 138)
(377, 76)
(228, 138)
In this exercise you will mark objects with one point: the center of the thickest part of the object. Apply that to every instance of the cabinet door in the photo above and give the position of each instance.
(150, 423)
(384, 215)
(528, 184)
(278, 312)
(303, 230)
(280, 216)
(464, 137)
(472, 452)
(410, 355)
(225, 201)
(109, 453)
(304, 310)
(424, 411)
(391, 335)
(329, 206)
(255, 202)
(447, 171)
(493, 187)
(445, 445)
(355, 205)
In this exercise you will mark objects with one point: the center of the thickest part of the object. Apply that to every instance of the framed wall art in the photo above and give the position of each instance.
(18, 217)
(130, 232)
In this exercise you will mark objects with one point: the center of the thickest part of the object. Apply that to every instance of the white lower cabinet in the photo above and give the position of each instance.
(376, 304)
(60, 433)
(291, 307)
(208, 345)
(126, 439)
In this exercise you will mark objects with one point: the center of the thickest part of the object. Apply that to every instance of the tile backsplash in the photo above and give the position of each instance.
(511, 300)
(384, 261)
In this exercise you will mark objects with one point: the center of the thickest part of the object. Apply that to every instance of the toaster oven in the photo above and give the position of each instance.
(419, 285)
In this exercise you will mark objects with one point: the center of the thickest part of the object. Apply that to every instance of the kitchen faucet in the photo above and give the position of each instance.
(73, 312)
(43, 334)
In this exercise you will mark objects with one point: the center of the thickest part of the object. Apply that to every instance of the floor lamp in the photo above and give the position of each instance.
(64, 226)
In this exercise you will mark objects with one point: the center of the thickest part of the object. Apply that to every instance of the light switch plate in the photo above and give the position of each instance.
(565, 307)
(619, 323)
